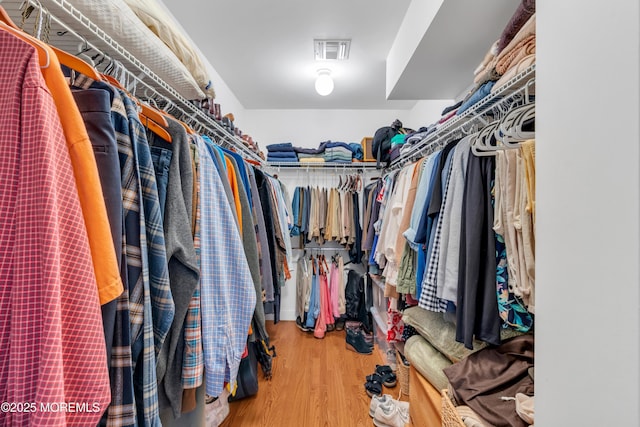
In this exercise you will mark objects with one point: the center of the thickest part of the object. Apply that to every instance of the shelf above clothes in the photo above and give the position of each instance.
(517, 91)
(69, 29)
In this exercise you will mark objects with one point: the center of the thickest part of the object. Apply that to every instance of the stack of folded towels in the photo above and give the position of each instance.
(281, 153)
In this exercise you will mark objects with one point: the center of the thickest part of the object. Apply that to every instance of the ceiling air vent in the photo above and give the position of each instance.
(331, 49)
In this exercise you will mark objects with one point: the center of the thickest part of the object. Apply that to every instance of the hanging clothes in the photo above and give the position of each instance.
(227, 293)
(477, 307)
(50, 305)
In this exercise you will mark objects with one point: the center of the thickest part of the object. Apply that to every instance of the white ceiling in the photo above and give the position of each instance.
(263, 50)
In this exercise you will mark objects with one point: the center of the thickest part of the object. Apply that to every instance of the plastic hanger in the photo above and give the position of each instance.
(43, 50)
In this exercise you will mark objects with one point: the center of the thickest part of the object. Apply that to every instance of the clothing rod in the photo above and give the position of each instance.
(321, 166)
(172, 96)
(323, 249)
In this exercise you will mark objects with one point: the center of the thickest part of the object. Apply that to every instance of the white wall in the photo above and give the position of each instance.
(227, 100)
(425, 113)
(415, 24)
(307, 128)
(588, 187)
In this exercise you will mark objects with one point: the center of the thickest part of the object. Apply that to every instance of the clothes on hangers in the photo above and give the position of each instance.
(320, 292)
(50, 305)
(459, 240)
(182, 269)
(327, 214)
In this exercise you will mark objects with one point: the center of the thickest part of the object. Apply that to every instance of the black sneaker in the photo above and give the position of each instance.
(301, 325)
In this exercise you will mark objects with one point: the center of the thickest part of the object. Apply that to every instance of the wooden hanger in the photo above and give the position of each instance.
(113, 81)
(156, 128)
(153, 114)
(186, 127)
(43, 50)
(76, 64)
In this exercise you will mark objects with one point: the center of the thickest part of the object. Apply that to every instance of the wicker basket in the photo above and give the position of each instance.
(450, 417)
(402, 373)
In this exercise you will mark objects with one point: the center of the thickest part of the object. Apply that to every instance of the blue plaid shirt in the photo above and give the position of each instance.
(153, 300)
(122, 412)
(228, 297)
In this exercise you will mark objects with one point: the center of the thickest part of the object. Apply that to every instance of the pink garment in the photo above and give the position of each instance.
(51, 336)
(325, 317)
(328, 307)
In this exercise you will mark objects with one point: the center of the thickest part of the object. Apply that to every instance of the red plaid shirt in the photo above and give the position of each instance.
(53, 369)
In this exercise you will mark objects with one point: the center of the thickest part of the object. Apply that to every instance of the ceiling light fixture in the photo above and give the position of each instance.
(324, 82)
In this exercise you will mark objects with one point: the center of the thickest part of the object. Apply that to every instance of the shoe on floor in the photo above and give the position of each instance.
(377, 401)
(386, 400)
(391, 416)
(355, 342)
(301, 325)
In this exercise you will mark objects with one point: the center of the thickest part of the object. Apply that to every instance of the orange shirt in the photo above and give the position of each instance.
(85, 170)
(233, 182)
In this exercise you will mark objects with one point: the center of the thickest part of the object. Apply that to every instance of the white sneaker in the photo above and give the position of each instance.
(391, 415)
(377, 401)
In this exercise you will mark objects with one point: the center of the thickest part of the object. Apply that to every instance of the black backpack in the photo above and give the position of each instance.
(381, 144)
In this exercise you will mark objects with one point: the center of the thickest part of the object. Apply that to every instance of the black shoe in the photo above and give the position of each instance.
(339, 324)
(301, 325)
(356, 342)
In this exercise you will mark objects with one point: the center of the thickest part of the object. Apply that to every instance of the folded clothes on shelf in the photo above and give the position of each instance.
(312, 160)
(358, 153)
(282, 155)
(476, 97)
(280, 147)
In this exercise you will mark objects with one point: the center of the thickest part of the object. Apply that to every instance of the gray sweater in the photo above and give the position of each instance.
(183, 269)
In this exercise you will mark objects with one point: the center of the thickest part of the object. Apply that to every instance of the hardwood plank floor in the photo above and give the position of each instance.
(316, 382)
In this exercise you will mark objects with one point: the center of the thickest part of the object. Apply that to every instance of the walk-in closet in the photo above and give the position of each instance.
(248, 214)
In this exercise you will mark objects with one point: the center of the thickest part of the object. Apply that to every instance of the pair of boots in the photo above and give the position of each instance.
(358, 340)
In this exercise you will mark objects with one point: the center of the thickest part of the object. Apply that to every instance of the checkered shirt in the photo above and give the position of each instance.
(228, 296)
(50, 323)
(428, 297)
(193, 360)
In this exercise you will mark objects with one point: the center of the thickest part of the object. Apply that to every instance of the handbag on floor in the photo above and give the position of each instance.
(247, 375)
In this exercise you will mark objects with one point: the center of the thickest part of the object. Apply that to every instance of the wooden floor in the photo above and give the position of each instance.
(316, 382)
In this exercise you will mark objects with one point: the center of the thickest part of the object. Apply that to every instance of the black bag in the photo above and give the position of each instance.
(247, 375)
(381, 144)
(259, 351)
